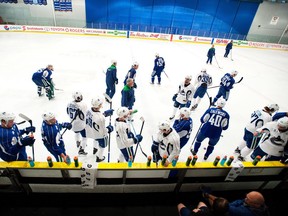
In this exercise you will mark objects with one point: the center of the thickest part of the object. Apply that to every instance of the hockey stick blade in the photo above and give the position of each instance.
(19, 123)
(58, 89)
(107, 97)
(26, 118)
(240, 80)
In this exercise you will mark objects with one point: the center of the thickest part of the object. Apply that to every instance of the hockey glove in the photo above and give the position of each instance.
(26, 141)
(135, 85)
(67, 125)
(110, 128)
(138, 138)
(174, 97)
(29, 129)
(188, 104)
(108, 112)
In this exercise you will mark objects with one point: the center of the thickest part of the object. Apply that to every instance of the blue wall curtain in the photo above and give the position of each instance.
(208, 17)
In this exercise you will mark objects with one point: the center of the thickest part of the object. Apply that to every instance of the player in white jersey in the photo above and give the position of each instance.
(96, 127)
(274, 139)
(202, 81)
(184, 95)
(258, 119)
(166, 143)
(76, 111)
(124, 137)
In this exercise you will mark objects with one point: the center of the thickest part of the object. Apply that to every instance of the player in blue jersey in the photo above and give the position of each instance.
(226, 84)
(51, 136)
(128, 96)
(42, 78)
(132, 74)
(214, 120)
(210, 54)
(111, 80)
(183, 126)
(12, 142)
(279, 115)
(228, 48)
(202, 81)
(159, 65)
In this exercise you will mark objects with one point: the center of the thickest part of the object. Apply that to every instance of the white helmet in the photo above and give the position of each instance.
(47, 116)
(122, 112)
(135, 63)
(234, 72)
(273, 108)
(6, 116)
(96, 102)
(203, 70)
(220, 102)
(185, 112)
(283, 122)
(188, 77)
(164, 125)
(157, 54)
(77, 96)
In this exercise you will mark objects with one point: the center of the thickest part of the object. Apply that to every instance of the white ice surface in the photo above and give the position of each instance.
(79, 62)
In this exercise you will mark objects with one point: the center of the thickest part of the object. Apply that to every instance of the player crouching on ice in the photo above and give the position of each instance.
(52, 138)
(124, 137)
(42, 78)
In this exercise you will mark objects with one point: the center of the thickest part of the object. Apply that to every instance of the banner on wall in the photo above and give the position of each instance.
(63, 5)
(274, 20)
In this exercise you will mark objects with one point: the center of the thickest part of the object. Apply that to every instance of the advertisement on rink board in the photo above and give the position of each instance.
(140, 35)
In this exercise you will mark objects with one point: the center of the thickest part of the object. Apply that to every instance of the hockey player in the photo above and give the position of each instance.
(184, 95)
(76, 111)
(257, 120)
(183, 126)
(274, 139)
(132, 74)
(96, 128)
(159, 65)
(128, 96)
(227, 82)
(166, 143)
(111, 80)
(42, 78)
(228, 48)
(124, 137)
(202, 81)
(12, 144)
(210, 54)
(214, 120)
(51, 136)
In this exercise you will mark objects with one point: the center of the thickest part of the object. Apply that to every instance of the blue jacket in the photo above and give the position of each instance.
(111, 75)
(128, 97)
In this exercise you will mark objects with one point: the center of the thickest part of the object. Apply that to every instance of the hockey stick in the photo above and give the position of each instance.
(30, 121)
(165, 74)
(57, 89)
(217, 63)
(109, 136)
(19, 123)
(231, 56)
(138, 144)
(240, 80)
(76, 113)
(210, 103)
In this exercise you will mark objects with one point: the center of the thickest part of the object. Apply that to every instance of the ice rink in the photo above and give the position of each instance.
(79, 62)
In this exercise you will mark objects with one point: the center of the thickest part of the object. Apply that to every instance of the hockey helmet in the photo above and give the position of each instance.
(47, 116)
(97, 102)
(77, 96)
(273, 108)
(282, 123)
(188, 77)
(234, 73)
(7, 116)
(185, 112)
(221, 102)
(123, 112)
(164, 125)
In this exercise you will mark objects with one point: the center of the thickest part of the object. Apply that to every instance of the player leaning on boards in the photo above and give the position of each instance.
(213, 121)
(96, 127)
(12, 144)
(76, 111)
(42, 78)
